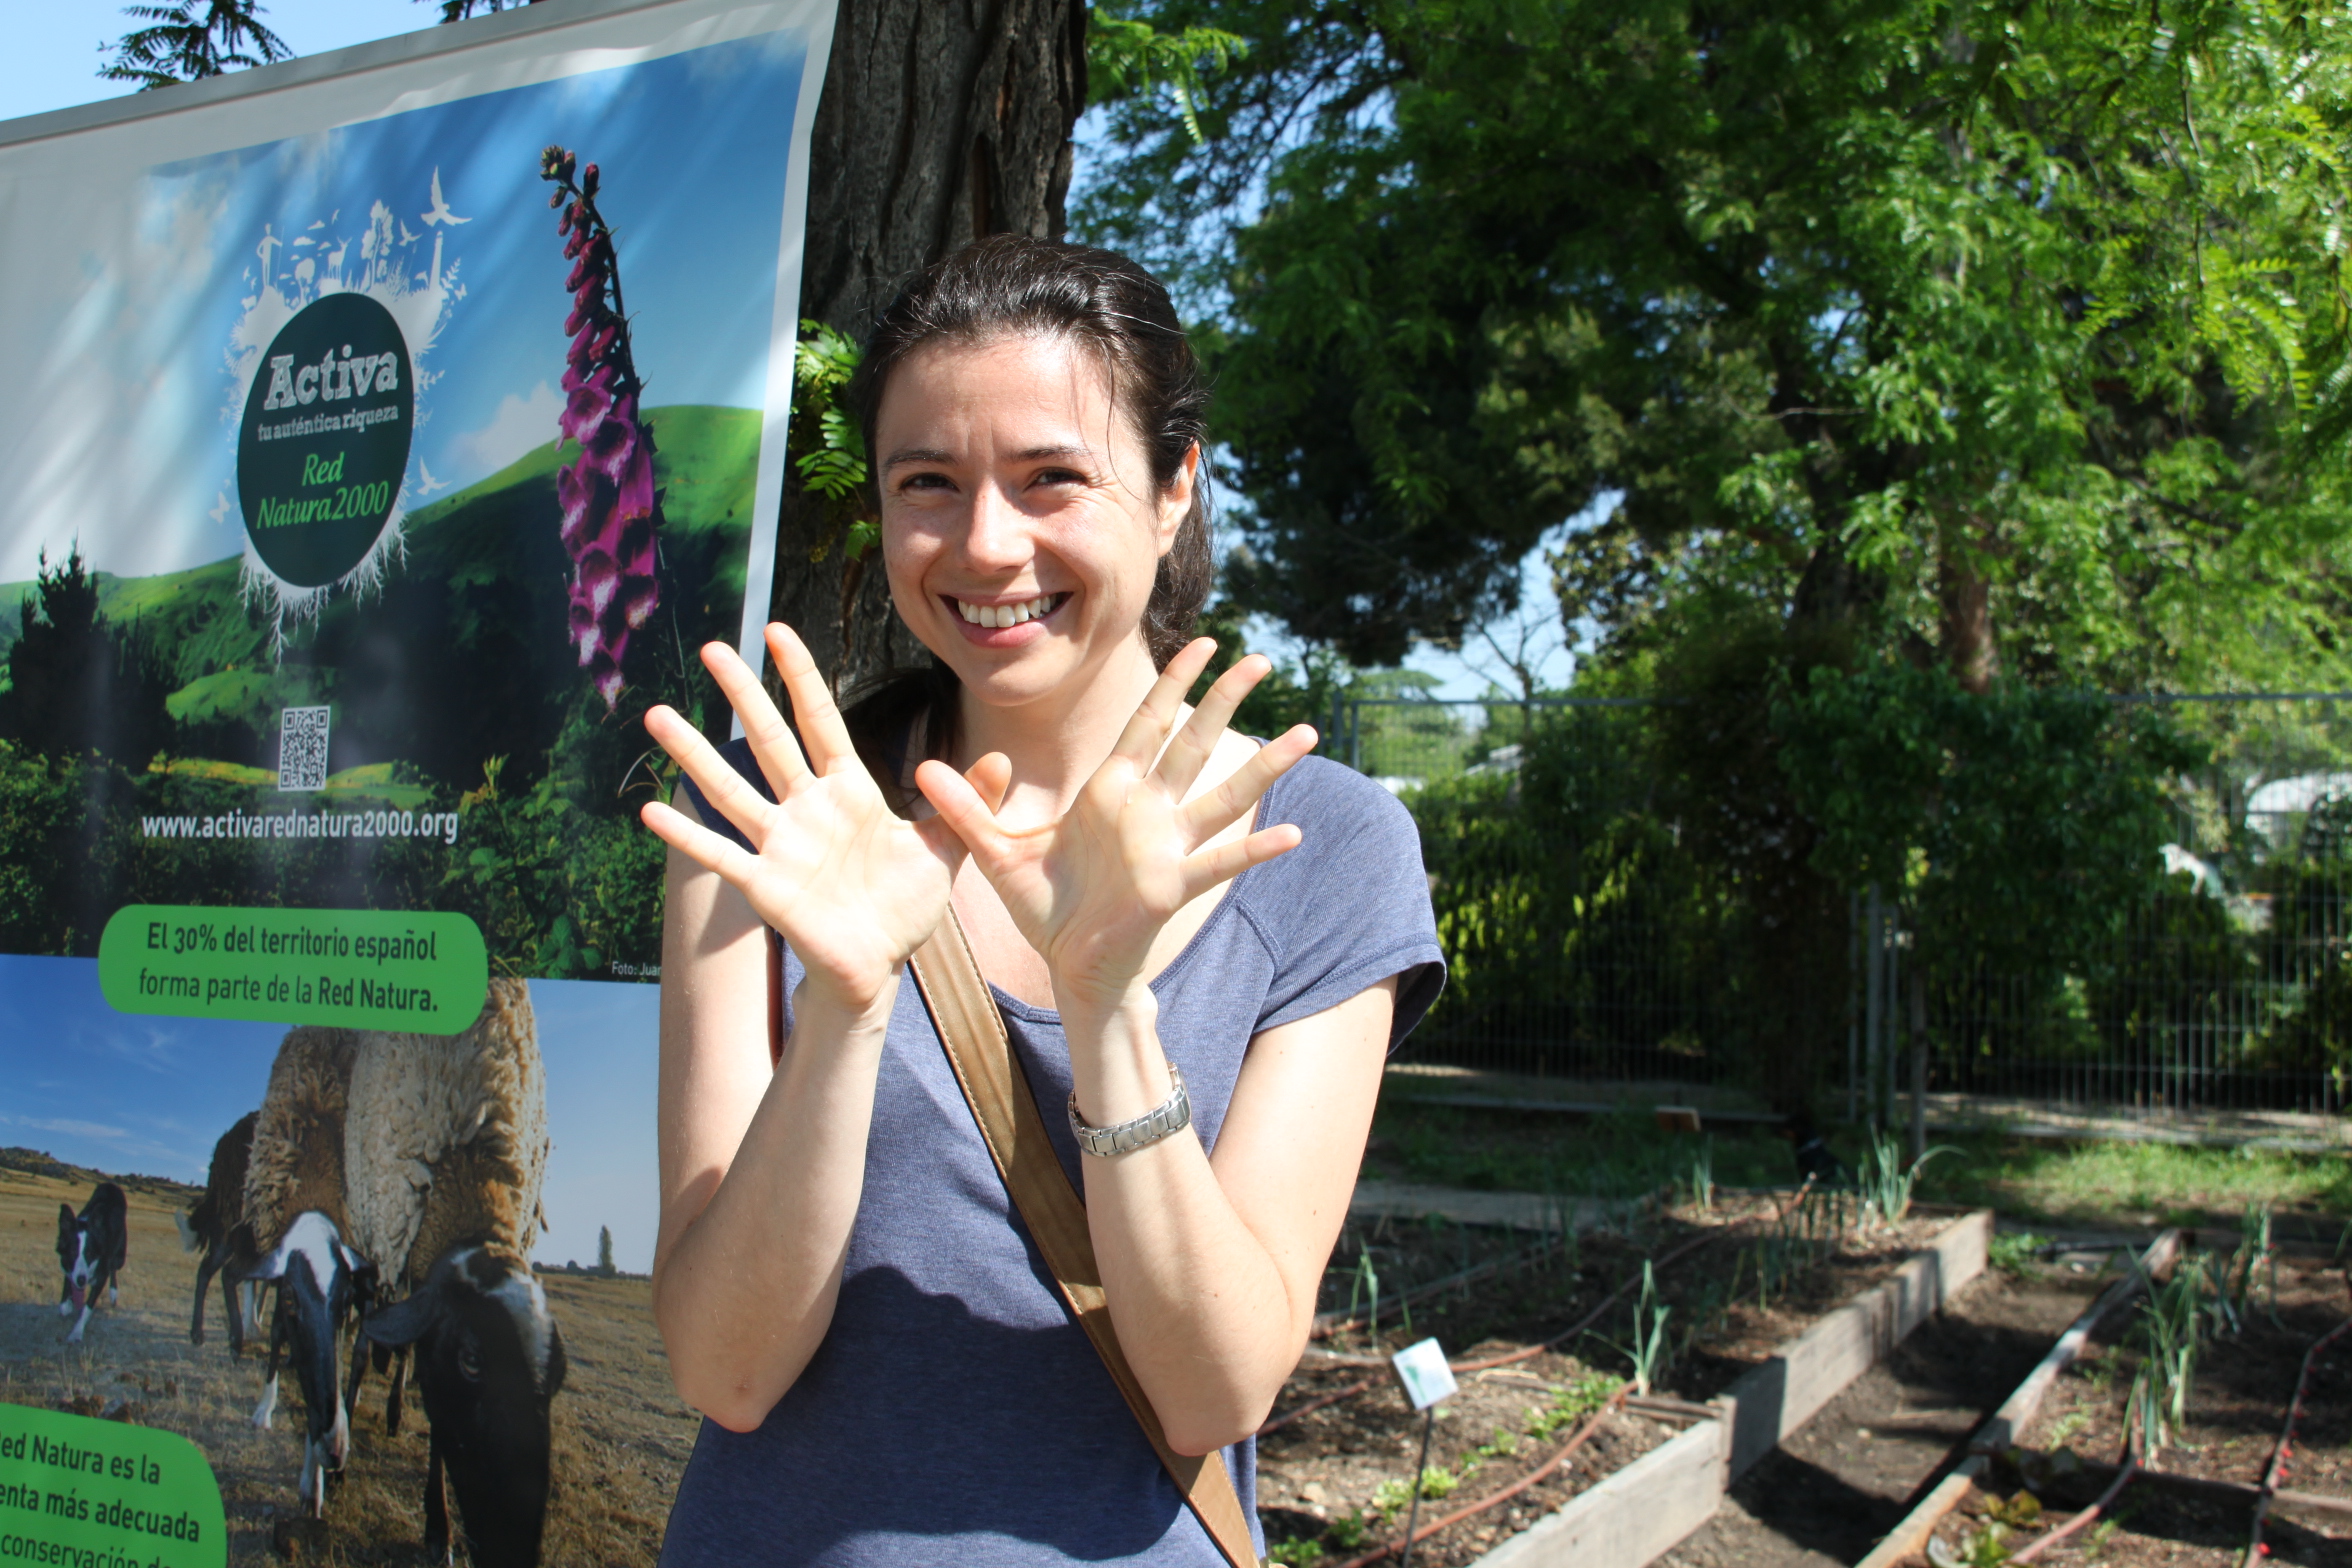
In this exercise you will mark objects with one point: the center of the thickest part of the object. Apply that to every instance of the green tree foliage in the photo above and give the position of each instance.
(78, 684)
(2019, 827)
(2016, 330)
(189, 40)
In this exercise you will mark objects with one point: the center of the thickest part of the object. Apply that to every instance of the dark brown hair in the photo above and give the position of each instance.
(1010, 285)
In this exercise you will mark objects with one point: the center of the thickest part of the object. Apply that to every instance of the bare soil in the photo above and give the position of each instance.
(621, 1433)
(2237, 1406)
(1321, 1475)
(1835, 1487)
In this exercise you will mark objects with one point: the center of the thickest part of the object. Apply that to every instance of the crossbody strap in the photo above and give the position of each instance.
(973, 1032)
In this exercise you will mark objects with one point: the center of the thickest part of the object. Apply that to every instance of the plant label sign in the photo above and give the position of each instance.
(1423, 1371)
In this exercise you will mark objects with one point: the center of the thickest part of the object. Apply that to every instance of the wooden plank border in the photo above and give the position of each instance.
(1648, 1507)
(2001, 1428)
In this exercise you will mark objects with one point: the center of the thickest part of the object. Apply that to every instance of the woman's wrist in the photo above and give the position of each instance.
(844, 1013)
(1117, 1066)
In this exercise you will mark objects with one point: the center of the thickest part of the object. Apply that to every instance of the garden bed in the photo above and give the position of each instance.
(2198, 1505)
(1543, 1345)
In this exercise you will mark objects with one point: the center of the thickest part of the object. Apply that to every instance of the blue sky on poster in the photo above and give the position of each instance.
(693, 148)
(127, 1093)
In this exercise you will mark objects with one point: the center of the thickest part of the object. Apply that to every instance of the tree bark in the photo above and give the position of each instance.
(939, 123)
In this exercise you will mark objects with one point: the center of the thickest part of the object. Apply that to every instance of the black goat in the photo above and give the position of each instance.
(489, 1360)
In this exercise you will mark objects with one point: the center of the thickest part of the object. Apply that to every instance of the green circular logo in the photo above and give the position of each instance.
(324, 442)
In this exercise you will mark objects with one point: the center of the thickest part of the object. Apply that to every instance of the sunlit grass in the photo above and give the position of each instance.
(2133, 1182)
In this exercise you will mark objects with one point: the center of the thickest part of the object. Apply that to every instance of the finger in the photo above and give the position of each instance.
(711, 851)
(1189, 752)
(821, 726)
(990, 777)
(771, 738)
(1140, 742)
(721, 785)
(965, 811)
(1205, 817)
(1227, 861)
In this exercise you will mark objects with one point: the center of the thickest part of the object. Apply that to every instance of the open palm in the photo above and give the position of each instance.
(1091, 890)
(853, 887)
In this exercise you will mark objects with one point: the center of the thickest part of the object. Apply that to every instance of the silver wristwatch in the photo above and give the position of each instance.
(1171, 1116)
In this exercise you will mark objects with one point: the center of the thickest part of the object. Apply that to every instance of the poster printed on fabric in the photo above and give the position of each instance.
(385, 432)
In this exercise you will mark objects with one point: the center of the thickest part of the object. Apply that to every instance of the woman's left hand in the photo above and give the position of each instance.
(1090, 891)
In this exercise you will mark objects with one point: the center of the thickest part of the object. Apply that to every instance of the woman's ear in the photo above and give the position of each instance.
(1176, 500)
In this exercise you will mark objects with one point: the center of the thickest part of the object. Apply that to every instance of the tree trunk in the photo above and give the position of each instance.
(1964, 595)
(939, 123)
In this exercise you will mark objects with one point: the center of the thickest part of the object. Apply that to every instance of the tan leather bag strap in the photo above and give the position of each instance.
(973, 1032)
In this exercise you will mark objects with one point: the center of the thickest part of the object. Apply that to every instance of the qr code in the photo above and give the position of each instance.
(302, 749)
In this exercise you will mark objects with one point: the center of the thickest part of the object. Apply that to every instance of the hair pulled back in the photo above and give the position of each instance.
(1010, 285)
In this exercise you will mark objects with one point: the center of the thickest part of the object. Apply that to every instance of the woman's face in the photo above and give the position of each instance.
(1020, 527)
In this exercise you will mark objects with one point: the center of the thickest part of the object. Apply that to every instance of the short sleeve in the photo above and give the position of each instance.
(1350, 906)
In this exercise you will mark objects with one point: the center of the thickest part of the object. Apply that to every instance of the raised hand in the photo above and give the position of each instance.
(853, 887)
(1091, 890)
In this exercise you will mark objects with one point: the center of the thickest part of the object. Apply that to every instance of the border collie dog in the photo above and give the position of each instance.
(90, 1252)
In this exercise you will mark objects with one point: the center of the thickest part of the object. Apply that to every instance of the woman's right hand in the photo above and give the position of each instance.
(853, 887)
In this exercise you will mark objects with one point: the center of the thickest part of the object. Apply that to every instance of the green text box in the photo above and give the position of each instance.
(81, 1493)
(359, 968)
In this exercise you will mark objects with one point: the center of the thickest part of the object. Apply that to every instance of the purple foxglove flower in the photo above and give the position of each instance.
(611, 508)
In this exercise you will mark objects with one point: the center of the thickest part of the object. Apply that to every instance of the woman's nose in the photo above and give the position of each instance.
(997, 539)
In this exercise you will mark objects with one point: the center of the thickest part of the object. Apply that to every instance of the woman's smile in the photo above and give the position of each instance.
(997, 622)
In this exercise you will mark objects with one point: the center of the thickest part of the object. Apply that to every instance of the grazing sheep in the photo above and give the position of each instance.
(295, 1206)
(217, 1227)
(445, 1148)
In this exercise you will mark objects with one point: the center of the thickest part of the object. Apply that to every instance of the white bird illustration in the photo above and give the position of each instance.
(441, 212)
(435, 219)
(428, 484)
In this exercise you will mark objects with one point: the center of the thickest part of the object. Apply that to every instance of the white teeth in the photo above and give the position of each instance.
(997, 616)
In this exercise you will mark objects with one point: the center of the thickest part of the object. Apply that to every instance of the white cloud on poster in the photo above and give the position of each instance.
(520, 426)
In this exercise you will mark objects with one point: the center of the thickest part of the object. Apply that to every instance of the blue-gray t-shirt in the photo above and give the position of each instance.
(955, 1414)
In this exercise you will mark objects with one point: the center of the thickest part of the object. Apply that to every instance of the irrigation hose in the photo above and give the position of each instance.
(2276, 1471)
(1592, 1424)
(2128, 1466)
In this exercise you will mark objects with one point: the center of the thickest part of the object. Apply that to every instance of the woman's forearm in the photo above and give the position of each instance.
(747, 1288)
(1202, 1307)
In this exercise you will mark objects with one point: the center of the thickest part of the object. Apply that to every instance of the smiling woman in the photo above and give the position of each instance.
(1199, 948)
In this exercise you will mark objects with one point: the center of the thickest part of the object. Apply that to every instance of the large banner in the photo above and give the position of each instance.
(382, 433)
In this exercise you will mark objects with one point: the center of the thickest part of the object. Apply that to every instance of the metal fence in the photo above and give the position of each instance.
(1589, 940)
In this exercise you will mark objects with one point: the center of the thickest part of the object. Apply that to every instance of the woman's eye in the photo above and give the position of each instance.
(1060, 476)
(926, 482)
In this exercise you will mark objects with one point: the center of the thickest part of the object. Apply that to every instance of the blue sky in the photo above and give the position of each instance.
(129, 1093)
(52, 59)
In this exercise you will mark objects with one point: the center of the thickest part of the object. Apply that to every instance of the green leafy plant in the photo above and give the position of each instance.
(1698, 1175)
(1886, 1182)
(1648, 1352)
(1573, 1403)
(1364, 1291)
(1300, 1552)
(2014, 1252)
(2170, 1332)
(827, 449)
(1347, 1532)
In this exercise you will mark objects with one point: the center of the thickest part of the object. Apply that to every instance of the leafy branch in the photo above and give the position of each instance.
(1136, 58)
(190, 40)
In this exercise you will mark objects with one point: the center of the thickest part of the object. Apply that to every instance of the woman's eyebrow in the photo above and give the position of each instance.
(916, 454)
(1039, 454)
